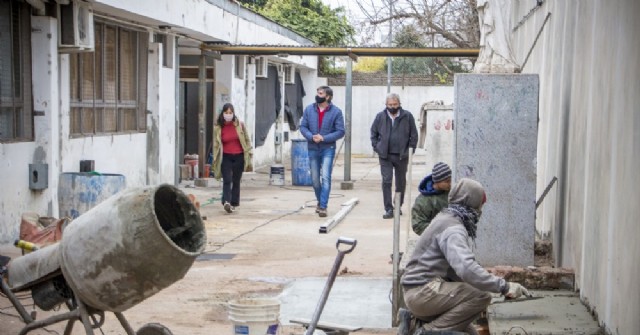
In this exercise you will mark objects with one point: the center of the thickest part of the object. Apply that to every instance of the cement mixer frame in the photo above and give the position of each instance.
(89, 317)
(149, 227)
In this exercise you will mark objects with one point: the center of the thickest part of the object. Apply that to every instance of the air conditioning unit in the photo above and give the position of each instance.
(262, 67)
(75, 27)
(289, 74)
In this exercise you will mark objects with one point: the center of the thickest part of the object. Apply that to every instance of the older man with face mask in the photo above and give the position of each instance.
(442, 283)
(393, 134)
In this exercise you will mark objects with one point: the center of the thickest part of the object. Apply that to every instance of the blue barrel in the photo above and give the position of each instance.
(78, 192)
(300, 168)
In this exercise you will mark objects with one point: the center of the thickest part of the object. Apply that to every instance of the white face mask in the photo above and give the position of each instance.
(228, 117)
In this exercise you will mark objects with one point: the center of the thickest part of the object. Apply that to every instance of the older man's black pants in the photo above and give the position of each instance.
(388, 167)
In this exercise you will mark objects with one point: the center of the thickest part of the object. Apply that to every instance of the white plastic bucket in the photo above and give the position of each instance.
(258, 316)
(276, 175)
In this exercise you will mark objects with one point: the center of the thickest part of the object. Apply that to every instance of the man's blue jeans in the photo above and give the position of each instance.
(321, 165)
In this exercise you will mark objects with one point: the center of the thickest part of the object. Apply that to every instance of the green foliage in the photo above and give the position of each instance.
(310, 18)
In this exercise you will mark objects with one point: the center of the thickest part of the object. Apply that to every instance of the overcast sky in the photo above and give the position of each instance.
(355, 15)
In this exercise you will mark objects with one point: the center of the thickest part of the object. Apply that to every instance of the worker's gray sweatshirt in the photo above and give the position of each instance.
(443, 250)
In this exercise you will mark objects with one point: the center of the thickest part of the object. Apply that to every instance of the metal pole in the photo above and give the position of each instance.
(396, 260)
(179, 116)
(409, 185)
(347, 122)
(202, 107)
(390, 43)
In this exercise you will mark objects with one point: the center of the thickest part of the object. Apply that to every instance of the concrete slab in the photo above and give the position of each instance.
(559, 312)
(356, 302)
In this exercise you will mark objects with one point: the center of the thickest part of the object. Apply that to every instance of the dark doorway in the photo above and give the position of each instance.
(189, 122)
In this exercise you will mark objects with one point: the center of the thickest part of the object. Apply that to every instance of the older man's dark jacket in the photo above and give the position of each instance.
(404, 133)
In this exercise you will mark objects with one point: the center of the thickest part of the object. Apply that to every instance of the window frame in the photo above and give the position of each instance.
(20, 99)
(100, 114)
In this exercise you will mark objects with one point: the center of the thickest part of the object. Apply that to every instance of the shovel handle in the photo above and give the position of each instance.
(346, 240)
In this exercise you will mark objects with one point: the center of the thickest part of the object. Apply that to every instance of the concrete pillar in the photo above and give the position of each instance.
(496, 117)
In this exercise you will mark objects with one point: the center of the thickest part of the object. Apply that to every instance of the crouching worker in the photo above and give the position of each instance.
(443, 284)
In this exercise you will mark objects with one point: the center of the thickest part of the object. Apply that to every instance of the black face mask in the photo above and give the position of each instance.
(393, 111)
(320, 99)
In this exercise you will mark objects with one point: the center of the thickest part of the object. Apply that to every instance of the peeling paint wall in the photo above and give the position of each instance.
(589, 138)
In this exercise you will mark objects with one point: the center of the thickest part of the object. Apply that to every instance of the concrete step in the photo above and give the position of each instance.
(557, 312)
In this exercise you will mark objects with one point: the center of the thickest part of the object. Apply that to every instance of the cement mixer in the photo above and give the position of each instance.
(111, 258)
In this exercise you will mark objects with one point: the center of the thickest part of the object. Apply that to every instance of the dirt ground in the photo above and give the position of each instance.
(271, 239)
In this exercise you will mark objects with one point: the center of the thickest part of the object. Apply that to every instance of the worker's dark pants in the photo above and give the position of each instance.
(446, 305)
(387, 168)
(232, 167)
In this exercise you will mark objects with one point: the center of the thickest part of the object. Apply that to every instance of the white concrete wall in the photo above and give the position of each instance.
(589, 138)
(161, 122)
(15, 158)
(367, 101)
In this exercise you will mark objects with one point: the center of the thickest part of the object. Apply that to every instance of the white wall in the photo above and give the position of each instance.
(161, 122)
(15, 158)
(367, 101)
(589, 138)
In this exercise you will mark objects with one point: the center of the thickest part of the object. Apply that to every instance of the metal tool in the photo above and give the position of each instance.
(526, 298)
(332, 277)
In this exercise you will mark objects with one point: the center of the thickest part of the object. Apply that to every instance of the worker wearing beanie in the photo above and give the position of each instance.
(434, 190)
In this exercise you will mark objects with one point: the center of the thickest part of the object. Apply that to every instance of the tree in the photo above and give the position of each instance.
(410, 37)
(444, 23)
(427, 23)
(310, 18)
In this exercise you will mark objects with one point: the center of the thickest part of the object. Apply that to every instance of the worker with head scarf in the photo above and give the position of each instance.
(442, 283)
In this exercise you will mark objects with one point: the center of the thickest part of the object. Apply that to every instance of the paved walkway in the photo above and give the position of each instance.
(283, 216)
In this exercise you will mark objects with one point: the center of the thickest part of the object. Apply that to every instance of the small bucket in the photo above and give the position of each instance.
(276, 175)
(254, 316)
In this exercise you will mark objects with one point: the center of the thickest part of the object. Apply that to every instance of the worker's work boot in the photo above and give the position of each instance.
(404, 322)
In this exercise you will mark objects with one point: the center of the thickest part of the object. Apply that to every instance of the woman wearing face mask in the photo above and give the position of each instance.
(232, 154)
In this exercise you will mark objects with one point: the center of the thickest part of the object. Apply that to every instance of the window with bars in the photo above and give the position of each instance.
(109, 85)
(16, 105)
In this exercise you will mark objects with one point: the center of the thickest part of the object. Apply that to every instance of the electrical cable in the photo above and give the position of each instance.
(220, 246)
